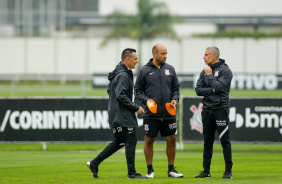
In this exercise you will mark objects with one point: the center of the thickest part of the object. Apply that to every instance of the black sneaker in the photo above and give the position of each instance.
(174, 174)
(227, 175)
(203, 175)
(136, 176)
(93, 169)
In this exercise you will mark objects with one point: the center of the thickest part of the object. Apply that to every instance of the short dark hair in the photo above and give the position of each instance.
(155, 48)
(127, 53)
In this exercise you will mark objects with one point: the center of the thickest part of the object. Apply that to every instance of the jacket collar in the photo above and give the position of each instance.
(150, 63)
(220, 62)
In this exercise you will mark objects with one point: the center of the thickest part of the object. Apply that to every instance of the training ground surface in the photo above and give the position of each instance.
(66, 163)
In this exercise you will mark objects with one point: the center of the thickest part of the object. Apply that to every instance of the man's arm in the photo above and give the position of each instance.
(201, 89)
(221, 84)
(175, 90)
(120, 91)
(139, 88)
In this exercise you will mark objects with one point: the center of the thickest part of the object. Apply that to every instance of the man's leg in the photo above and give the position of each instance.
(170, 148)
(222, 117)
(209, 128)
(227, 153)
(148, 149)
(169, 130)
(130, 139)
(151, 129)
(114, 146)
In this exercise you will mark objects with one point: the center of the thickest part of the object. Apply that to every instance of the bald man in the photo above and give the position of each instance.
(157, 81)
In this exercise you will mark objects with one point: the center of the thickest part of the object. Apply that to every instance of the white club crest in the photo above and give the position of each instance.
(216, 73)
(146, 127)
(167, 72)
(196, 120)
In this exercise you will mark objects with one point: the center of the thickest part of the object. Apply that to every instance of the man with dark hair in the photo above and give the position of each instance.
(122, 118)
(214, 84)
(157, 81)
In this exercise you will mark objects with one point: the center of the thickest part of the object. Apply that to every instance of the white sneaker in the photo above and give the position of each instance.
(174, 174)
(150, 175)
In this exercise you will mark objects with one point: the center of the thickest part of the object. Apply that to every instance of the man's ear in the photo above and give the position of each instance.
(154, 53)
(126, 59)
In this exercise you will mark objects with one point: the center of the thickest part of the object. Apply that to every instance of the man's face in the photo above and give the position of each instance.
(132, 61)
(161, 55)
(209, 58)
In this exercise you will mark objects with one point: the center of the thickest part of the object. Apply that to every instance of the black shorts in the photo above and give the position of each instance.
(166, 127)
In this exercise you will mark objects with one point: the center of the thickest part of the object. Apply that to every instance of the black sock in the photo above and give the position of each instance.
(150, 168)
(170, 167)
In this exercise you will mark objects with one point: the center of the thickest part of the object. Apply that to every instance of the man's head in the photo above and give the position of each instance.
(159, 54)
(211, 55)
(129, 58)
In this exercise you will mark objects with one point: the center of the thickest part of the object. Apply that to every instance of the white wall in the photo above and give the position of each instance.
(84, 56)
(201, 7)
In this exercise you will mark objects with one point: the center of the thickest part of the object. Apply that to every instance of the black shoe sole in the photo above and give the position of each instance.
(138, 178)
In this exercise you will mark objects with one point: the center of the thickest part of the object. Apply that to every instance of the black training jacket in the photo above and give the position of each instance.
(160, 84)
(121, 109)
(215, 87)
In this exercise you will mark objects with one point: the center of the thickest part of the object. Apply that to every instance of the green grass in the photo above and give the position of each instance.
(66, 162)
(51, 90)
(77, 90)
(253, 163)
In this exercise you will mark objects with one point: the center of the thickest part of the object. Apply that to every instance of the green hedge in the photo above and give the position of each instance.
(240, 34)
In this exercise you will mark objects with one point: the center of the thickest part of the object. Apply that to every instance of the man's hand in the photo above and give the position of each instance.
(174, 102)
(208, 70)
(141, 110)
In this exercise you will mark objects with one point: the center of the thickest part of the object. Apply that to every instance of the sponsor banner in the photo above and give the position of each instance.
(256, 81)
(101, 80)
(239, 81)
(53, 119)
(251, 119)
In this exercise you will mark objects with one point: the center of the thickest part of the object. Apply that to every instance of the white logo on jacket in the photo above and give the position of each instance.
(167, 72)
(216, 73)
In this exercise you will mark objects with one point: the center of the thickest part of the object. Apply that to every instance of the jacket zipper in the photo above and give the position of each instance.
(161, 88)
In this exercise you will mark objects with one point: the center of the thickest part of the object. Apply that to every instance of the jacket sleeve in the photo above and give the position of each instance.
(222, 83)
(201, 89)
(122, 86)
(139, 87)
(175, 88)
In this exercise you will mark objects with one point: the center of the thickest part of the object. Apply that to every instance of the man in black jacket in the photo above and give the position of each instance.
(122, 118)
(157, 81)
(214, 84)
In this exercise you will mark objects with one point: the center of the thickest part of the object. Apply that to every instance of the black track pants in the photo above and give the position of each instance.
(216, 120)
(123, 136)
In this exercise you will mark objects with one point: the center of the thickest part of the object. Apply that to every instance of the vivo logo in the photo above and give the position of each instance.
(262, 81)
(251, 81)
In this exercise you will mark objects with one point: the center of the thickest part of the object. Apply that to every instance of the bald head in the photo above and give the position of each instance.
(157, 47)
(159, 52)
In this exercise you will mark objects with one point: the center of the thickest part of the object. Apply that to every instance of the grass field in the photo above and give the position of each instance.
(77, 90)
(66, 163)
